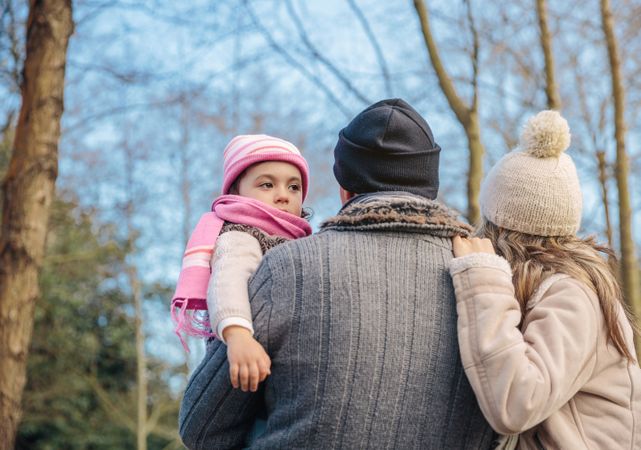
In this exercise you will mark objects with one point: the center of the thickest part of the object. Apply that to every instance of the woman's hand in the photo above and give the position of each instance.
(249, 364)
(464, 246)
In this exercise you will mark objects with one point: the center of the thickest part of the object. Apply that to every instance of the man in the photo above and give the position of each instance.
(359, 320)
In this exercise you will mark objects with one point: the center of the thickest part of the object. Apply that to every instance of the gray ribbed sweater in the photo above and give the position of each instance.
(360, 323)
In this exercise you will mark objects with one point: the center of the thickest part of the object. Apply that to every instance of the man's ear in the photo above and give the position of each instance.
(345, 195)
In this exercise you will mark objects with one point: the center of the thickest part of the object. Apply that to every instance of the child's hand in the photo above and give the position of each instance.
(249, 364)
(464, 246)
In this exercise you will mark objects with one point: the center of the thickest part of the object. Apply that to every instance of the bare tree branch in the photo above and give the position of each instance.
(466, 115)
(15, 45)
(8, 123)
(375, 45)
(320, 57)
(297, 65)
(603, 181)
(152, 424)
(474, 56)
(447, 86)
(551, 88)
(117, 415)
(121, 109)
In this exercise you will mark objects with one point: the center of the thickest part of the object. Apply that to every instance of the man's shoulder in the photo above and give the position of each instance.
(284, 261)
(296, 247)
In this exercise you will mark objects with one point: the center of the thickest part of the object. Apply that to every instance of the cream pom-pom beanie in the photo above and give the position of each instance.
(535, 189)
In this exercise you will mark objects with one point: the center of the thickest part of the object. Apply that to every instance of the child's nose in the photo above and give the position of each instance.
(281, 194)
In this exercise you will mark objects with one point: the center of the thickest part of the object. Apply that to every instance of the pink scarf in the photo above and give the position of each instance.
(191, 291)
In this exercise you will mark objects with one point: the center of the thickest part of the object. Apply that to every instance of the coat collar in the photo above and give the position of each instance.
(397, 211)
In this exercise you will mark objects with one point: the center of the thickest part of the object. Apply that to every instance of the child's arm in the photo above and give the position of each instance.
(212, 413)
(235, 259)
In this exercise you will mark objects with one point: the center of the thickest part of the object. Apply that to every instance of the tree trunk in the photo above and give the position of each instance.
(466, 115)
(629, 269)
(185, 183)
(603, 181)
(28, 189)
(141, 361)
(136, 292)
(551, 88)
(475, 173)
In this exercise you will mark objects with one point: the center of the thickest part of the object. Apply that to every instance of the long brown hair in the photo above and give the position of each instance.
(533, 258)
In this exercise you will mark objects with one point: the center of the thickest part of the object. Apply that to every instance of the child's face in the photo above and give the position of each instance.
(276, 183)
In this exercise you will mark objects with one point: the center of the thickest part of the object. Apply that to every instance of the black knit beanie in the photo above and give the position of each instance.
(387, 147)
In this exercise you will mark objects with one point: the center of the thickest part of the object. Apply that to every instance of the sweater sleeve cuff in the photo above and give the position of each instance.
(229, 321)
(484, 260)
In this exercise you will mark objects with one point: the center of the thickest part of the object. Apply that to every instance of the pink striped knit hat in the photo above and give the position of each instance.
(246, 150)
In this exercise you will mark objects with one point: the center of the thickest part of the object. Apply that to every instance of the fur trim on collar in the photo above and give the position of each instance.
(401, 212)
(266, 241)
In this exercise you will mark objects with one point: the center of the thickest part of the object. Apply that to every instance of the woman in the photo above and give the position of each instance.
(545, 339)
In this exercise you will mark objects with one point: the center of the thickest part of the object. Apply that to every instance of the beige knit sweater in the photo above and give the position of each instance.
(558, 382)
(239, 250)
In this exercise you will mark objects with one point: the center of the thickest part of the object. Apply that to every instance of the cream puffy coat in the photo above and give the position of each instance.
(556, 381)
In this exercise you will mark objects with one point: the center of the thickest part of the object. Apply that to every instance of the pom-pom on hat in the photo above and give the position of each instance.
(535, 189)
(249, 149)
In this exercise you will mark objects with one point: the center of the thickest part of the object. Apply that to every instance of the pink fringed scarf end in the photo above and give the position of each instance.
(190, 318)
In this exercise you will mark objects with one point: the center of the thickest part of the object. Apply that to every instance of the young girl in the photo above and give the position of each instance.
(264, 185)
(545, 340)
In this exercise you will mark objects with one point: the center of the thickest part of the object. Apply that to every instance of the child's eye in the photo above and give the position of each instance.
(294, 187)
(266, 185)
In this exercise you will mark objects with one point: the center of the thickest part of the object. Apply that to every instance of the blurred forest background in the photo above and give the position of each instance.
(153, 91)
